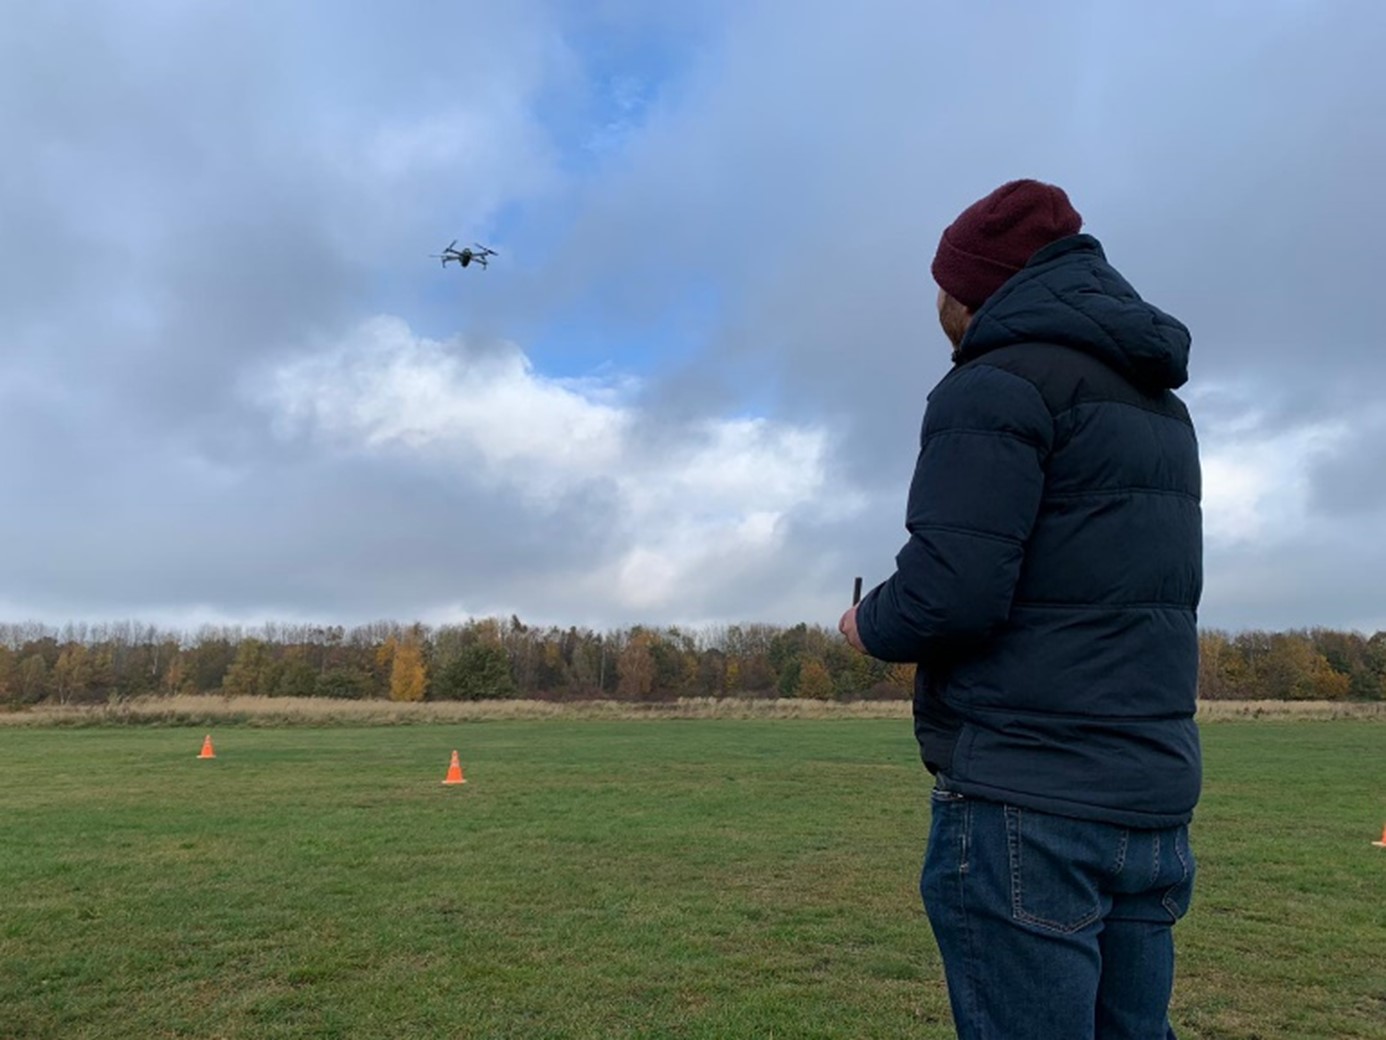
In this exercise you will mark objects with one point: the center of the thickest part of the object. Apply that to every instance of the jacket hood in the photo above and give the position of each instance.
(1069, 295)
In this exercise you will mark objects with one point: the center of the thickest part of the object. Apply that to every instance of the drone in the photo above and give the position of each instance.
(464, 256)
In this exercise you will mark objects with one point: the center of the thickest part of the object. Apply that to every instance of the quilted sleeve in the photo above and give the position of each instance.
(973, 500)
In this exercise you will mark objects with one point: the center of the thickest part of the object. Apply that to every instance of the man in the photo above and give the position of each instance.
(1048, 594)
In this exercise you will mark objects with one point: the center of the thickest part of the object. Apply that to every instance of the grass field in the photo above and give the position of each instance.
(610, 879)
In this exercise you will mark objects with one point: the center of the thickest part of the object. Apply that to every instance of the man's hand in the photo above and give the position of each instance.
(848, 627)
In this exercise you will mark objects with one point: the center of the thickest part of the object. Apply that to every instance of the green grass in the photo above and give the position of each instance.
(692, 879)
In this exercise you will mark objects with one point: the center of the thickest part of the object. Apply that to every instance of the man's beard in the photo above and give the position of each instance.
(954, 318)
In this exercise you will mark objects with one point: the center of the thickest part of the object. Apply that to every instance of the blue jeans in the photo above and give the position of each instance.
(1053, 928)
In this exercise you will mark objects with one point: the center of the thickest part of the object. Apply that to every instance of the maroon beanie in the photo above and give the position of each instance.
(996, 236)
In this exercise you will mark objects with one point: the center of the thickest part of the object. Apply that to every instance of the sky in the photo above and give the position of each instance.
(688, 388)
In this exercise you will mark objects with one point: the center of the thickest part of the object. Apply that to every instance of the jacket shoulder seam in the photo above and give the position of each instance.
(971, 432)
(1173, 417)
(1106, 492)
(971, 532)
(1039, 604)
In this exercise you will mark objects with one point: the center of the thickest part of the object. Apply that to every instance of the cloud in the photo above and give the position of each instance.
(684, 514)
(1342, 483)
(1259, 477)
(690, 387)
(384, 386)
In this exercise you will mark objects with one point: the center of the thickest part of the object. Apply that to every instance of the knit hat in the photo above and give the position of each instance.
(996, 236)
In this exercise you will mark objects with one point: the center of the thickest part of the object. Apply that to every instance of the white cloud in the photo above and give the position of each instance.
(1257, 483)
(175, 215)
(688, 510)
(496, 153)
(385, 387)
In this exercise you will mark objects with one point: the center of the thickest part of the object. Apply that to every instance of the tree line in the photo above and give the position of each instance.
(500, 658)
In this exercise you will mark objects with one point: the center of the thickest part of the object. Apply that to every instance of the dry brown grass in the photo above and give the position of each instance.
(190, 709)
(1217, 711)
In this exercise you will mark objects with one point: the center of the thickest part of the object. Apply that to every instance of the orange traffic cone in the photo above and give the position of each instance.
(1382, 843)
(207, 751)
(454, 771)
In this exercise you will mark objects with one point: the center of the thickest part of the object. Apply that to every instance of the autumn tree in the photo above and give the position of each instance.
(731, 676)
(814, 681)
(857, 675)
(591, 673)
(33, 678)
(900, 676)
(9, 675)
(117, 660)
(748, 646)
(788, 679)
(712, 673)
(786, 652)
(209, 659)
(1223, 671)
(71, 673)
(675, 662)
(175, 678)
(553, 669)
(1374, 659)
(1350, 654)
(408, 672)
(1291, 669)
(252, 670)
(636, 666)
(106, 680)
(297, 676)
(383, 660)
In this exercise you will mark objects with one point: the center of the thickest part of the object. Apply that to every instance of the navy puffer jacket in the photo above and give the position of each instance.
(1050, 585)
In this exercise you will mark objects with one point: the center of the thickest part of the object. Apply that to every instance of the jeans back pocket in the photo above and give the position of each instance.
(1055, 862)
(1178, 866)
